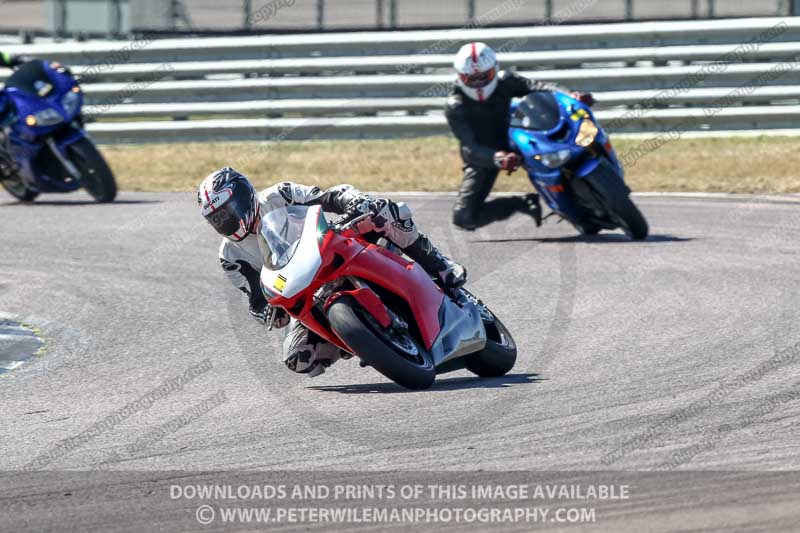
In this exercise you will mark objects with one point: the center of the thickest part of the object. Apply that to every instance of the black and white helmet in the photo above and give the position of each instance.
(229, 202)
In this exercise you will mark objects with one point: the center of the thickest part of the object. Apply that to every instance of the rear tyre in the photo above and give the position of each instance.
(500, 353)
(399, 358)
(18, 190)
(96, 176)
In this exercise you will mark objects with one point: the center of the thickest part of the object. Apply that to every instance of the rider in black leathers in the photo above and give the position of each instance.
(477, 111)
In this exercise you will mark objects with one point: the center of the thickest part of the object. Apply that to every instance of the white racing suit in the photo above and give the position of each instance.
(304, 351)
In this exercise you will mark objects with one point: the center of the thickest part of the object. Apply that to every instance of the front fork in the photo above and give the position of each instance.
(71, 169)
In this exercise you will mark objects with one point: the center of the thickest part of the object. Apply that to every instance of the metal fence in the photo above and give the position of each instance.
(647, 76)
(197, 16)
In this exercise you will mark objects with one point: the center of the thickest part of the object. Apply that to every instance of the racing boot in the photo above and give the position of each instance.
(444, 270)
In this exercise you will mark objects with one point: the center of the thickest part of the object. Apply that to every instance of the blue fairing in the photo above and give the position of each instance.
(560, 135)
(28, 138)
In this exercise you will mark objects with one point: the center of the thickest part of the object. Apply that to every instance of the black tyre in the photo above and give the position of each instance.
(500, 353)
(399, 358)
(18, 190)
(615, 196)
(96, 176)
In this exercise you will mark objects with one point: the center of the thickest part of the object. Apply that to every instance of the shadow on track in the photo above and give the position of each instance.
(446, 384)
(591, 239)
(59, 203)
(499, 209)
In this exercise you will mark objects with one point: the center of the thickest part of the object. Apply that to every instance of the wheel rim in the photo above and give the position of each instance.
(404, 345)
(93, 186)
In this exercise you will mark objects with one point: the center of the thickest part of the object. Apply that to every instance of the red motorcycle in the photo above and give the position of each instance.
(375, 304)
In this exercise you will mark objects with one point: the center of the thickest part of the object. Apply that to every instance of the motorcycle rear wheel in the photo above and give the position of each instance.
(395, 360)
(499, 355)
(18, 190)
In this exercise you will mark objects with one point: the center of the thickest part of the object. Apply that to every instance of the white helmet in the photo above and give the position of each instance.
(476, 64)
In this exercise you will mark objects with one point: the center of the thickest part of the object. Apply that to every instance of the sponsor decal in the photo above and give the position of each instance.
(279, 283)
(577, 115)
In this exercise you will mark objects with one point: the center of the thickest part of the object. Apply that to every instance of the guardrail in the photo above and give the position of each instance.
(367, 84)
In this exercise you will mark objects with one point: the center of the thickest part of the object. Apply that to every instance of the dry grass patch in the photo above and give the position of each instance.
(757, 165)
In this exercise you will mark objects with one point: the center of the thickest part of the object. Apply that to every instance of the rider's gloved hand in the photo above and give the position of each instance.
(360, 205)
(584, 98)
(509, 161)
(266, 314)
(380, 211)
(260, 311)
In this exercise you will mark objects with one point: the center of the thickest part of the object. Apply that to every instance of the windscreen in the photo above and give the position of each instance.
(538, 111)
(280, 234)
(30, 77)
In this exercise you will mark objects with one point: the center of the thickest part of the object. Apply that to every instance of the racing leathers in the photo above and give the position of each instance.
(304, 351)
(481, 128)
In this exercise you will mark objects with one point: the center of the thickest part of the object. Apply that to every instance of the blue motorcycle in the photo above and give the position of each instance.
(46, 146)
(572, 165)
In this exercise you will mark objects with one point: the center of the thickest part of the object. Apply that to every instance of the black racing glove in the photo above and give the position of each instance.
(265, 314)
(360, 205)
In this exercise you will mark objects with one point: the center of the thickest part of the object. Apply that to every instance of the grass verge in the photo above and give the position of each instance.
(736, 164)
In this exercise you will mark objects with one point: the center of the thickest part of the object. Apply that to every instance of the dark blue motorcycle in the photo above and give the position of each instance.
(572, 165)
(48, 146)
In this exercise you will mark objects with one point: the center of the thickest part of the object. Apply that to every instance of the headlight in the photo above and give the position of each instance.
(586, 133)
(47, 117)
(70, 102)
(554, 159)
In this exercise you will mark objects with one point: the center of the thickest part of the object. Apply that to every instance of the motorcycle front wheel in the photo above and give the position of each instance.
(614, 195)
(96, 176)
(398, 357)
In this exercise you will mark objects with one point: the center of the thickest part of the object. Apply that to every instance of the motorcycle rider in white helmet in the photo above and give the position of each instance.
(477, 111)
(233, 207)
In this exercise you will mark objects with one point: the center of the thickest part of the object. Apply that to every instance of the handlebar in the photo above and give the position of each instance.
(347, 222)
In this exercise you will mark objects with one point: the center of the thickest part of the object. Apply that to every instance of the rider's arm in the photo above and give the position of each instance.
(242, 274)
(472, 152)
(333, 200)
(9, 61)
(520, 85)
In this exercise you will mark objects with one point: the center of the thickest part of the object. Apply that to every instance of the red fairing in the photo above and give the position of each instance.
(369, 301)
(406, 279)
(378, 266)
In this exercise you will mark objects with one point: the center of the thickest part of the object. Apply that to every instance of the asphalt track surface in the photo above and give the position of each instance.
(679, 353)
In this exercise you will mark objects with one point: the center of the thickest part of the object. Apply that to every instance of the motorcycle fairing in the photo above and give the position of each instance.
(302, 268)
(462, 331)
(25, 142)
(549, 182)
(447, 329)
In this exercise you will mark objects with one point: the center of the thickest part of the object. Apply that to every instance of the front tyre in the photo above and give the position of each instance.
(399, 358)
(500, 353)
(615, 197)
(635, 224)
(96, 176)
